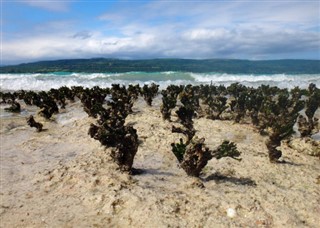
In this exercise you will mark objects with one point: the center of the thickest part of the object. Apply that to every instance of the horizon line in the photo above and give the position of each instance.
(159, 58)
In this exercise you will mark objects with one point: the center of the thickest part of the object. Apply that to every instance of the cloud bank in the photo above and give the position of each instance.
(167, 29)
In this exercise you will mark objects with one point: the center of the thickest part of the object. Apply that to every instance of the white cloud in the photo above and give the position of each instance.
(206, 29)
(207, 34)
(195, 43)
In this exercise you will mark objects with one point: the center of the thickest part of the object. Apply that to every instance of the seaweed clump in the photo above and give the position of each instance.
(15, 107)
(186, 112)
(149, 93)
(32, 123)
(169, 100)
(280, 115)
(111, 130)
(194, 156)
(309, 125)
(10, 98)
(92, 100)
(216, 102)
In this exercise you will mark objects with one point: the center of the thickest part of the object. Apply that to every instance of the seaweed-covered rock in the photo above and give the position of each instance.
(31, 98)
(313, 102)
(93, 100)
(253, 105)
(149, 92)
(280, 115)
(58, 96)
(189, 131)
(190, 97)
(7, 97)
(122, 100)
(111, 130)
(126, 148)
(227, 149)
(67, 93)
(15, 107)
(309, 125)
(122, 139)
(185, 115)
(194, 156)
(47, 105)
(134, 91)
(239, 106)
(169, 101)
(32, 123)
(272, 143)
(47, 111)
(179, 149)
(216, 106)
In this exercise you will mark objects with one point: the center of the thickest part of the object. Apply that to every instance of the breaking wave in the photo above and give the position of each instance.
(47, 81)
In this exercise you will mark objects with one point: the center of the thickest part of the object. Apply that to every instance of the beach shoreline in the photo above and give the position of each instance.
(62, 177)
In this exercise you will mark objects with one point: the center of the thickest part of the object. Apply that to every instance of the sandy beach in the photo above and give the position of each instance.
(160, 114)
(63, 178)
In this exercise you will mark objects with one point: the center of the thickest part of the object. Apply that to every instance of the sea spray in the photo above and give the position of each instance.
(56, 80)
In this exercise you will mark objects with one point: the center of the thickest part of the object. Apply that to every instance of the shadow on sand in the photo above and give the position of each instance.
(150, 172)
(219, 178)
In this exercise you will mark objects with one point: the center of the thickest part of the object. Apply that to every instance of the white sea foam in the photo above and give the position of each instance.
(168, 72)
(56, 80)
(244, 78)
(280, 80)
(93, 75)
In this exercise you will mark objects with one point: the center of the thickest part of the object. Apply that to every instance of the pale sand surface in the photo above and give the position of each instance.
(63, 178)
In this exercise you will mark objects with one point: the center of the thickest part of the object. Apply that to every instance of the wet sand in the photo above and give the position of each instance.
(63, 178)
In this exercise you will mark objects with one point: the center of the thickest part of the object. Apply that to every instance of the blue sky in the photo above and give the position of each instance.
(33, 30)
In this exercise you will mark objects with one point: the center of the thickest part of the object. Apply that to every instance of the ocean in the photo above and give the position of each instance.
(46, 81)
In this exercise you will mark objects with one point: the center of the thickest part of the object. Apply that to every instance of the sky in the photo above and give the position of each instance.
(34, 30)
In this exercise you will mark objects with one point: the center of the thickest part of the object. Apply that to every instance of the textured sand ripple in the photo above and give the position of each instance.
(63, 178)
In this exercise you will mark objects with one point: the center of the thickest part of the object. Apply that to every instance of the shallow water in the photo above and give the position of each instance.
(25, 111)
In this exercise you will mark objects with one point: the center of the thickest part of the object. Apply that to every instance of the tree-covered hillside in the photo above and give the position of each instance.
(99, 65)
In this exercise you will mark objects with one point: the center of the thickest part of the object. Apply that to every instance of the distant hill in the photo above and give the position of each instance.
(102, 65)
